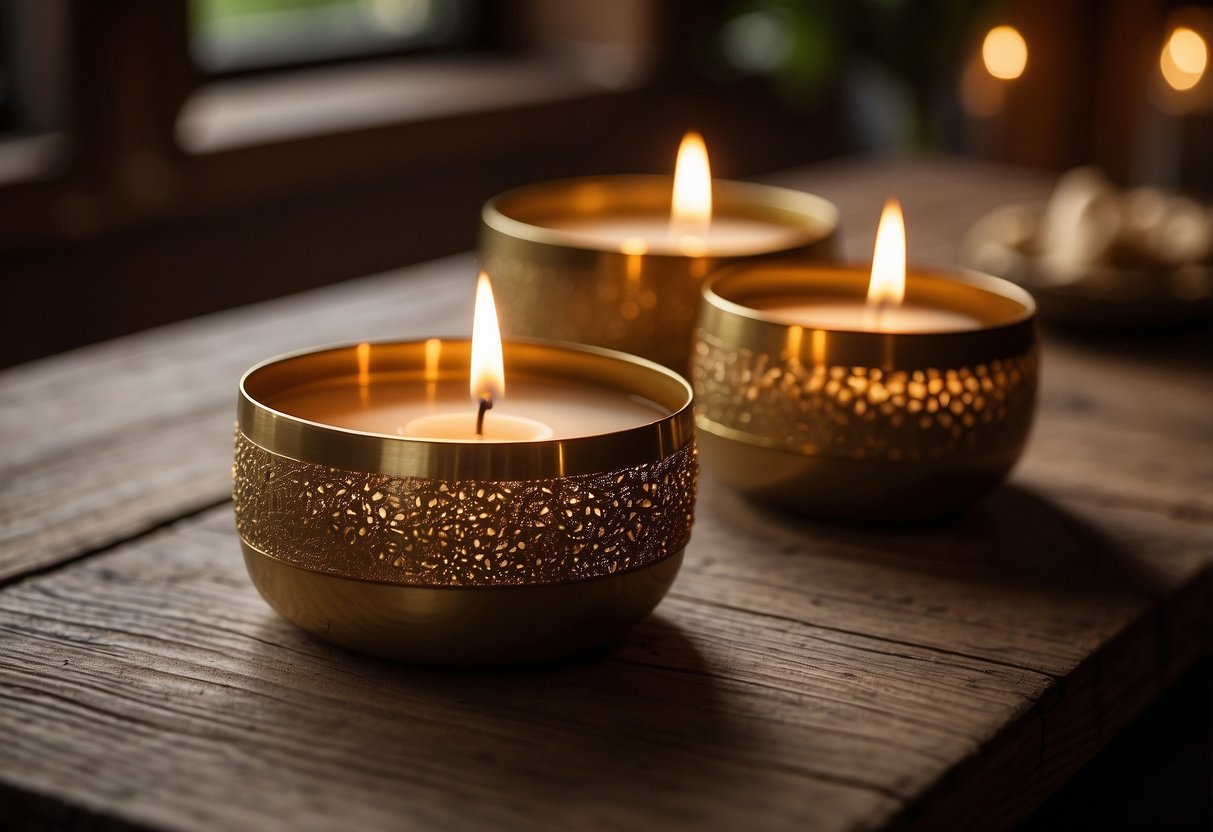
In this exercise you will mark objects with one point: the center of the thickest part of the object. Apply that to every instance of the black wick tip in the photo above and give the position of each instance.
(486, 404)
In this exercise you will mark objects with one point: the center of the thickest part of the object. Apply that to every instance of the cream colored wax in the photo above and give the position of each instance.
(566, 409)
(854, 315)
(654, 233)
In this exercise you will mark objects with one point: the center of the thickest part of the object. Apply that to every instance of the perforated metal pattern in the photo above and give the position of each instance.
(931, 413)
(409, 530)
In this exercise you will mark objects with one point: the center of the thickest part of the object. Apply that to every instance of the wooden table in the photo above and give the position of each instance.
(799, 676)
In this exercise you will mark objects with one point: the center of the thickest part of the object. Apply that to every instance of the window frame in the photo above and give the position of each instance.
(115, 226)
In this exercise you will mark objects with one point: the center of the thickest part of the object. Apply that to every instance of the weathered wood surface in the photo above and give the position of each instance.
(131, 437)
(798, 676)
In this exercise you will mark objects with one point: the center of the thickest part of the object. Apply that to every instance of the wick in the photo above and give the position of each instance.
(873, 313)
(486, 404)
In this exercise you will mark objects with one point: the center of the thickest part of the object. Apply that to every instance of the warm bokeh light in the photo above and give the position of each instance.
(1184, 58)
(1004, 52)
(692, 207)
(488, 364)
(888, 283)
(1188, 50)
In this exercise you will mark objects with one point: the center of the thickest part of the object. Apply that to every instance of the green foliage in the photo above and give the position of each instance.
(209, 13)
(918, 44)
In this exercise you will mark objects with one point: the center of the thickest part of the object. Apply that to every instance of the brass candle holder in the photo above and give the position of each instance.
(862, 426)
(639, 298)
(458, 552)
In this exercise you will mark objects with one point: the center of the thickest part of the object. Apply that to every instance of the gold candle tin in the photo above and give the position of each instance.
(462, 553)
(550, 285)
(862, 426)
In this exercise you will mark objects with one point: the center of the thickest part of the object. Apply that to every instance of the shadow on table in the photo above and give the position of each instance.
(1013, 536)
(581, 736)
(1156, 775)
(1027, 536)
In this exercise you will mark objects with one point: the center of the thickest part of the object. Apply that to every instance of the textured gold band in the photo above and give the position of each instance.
(926, 414)
(462, 533)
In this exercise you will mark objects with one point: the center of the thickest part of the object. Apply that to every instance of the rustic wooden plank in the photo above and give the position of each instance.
(799, 674)
(1110, 603)
(1135, 428)
(1023, 579)
(130, 434)
(1093, 704)
(755, 696)
(158, 665)
(171, 656)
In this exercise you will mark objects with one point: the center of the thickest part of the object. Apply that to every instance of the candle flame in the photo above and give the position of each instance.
(488, 365)
(888, 282)
(692, 207)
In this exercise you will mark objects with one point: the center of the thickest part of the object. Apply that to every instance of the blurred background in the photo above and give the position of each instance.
(160, 159)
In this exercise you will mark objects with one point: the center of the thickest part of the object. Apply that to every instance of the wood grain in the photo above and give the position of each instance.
(139, 432)
(798, 676)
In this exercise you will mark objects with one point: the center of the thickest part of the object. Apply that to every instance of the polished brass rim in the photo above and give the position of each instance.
(1007, 314)
(313, 442)
(520, 214)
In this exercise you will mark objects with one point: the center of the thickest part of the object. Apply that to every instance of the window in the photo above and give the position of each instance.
(32, 67)
(230, 36)
(236, 150)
